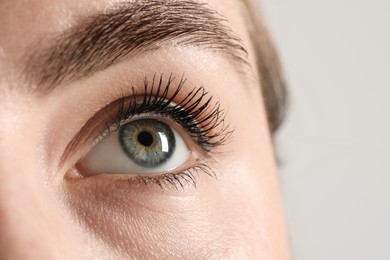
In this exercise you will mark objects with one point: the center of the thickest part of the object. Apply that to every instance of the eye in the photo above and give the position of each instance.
(140, 147)
(160, 134)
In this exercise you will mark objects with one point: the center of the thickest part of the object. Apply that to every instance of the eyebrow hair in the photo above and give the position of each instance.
(101, 40)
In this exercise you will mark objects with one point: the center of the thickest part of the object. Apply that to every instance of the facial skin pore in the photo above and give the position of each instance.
(62, 63)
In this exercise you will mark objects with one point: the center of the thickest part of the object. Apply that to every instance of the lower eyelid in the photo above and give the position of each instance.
(172, 182)
(197, 163)
(106, 191)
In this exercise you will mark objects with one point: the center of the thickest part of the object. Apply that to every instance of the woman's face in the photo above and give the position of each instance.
(134, 129)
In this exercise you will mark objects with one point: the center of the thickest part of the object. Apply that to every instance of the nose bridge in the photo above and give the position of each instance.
(24, 219)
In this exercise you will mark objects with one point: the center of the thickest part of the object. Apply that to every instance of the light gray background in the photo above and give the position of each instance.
(335, 142)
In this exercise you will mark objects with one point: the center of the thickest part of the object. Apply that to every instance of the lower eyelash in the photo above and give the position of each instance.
(177, 180)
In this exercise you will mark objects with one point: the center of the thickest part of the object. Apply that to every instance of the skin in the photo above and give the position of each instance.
(47, 213)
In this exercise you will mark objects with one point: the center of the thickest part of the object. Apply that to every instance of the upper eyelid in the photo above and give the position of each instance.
(103, 115)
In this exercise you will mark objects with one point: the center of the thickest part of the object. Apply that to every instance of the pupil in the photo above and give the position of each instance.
(145, 138)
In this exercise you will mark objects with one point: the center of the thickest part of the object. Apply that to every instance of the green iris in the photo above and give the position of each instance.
(148, 142)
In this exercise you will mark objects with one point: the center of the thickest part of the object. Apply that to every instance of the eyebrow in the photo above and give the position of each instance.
(101, 40)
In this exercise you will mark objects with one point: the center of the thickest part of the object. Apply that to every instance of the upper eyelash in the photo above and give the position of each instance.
(204, 123)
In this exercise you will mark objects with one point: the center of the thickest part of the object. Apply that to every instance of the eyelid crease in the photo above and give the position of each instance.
(205, 124)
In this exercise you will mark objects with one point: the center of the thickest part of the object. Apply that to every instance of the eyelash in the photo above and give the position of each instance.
(188, 176)
(204, 123)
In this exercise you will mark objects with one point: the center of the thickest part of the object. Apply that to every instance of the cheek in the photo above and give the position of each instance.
(146, 222)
